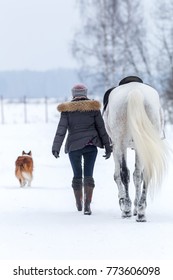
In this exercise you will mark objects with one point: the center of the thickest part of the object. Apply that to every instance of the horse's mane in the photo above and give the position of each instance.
(122, 82)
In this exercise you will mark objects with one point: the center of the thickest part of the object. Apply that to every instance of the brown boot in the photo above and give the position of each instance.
(77, 188)
(88, 192)
(78, 197)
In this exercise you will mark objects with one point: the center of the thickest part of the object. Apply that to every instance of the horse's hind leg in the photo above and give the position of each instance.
(137, 179)
(142, 204)
(140, 199)
(121, 177)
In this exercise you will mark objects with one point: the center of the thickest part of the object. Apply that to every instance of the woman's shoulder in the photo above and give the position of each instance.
(79, 105)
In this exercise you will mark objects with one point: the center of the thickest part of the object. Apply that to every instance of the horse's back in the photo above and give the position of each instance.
(116, 114)
(120, 93)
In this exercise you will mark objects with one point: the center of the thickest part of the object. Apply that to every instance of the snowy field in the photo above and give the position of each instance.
(41, 222)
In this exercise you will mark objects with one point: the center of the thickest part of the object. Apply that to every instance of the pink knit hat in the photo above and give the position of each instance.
(79, 90)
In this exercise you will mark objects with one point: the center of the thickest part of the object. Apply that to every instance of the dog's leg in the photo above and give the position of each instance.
(29, 183)
(29, 180)
(22, 182)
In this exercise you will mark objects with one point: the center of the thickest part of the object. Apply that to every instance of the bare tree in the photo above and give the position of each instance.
(133, 38)
(164, 63)
(110, 43)
(95, 44)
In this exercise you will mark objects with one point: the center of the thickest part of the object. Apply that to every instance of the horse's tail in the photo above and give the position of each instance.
(152, 151)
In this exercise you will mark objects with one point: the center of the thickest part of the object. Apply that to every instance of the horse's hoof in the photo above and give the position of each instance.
(135, 212)
(141, 218)
(126, 214)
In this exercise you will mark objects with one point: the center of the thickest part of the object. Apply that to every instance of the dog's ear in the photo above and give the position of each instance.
(30, 154)
(23, 153)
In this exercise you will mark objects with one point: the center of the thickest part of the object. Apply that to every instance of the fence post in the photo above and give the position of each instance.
(46, 109)
(25, 109)
(2, 110)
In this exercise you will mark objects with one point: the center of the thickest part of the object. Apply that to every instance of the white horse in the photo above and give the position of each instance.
(134, 119)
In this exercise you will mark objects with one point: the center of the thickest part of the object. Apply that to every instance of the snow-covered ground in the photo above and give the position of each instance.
(41, 222)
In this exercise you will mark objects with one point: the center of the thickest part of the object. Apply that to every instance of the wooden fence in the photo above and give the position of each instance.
(27, 110)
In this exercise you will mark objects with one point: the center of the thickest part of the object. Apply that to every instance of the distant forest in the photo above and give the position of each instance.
(35, 84)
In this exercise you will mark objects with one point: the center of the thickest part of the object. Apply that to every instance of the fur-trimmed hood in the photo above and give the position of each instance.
(81, 105)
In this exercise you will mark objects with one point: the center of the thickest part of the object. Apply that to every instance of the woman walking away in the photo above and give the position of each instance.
(82, 119)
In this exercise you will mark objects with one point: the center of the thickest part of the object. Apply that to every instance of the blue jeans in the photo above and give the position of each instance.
(89, 154)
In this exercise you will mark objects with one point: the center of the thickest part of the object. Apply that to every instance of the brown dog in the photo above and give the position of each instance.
(24, 169)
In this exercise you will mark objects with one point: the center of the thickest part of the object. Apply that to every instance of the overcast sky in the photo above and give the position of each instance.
(36, 34)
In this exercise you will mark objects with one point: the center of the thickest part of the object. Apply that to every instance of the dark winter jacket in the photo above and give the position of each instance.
(83, 121)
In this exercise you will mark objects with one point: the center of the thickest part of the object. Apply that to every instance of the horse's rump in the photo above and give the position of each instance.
(126, 80)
